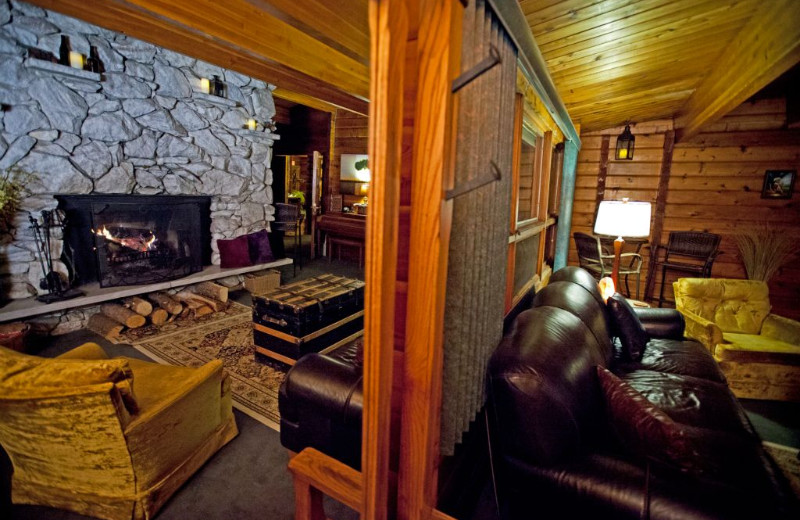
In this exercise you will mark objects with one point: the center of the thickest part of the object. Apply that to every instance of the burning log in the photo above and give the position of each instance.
(122, 315)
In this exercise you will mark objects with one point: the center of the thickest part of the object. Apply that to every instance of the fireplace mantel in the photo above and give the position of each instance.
(19, 309)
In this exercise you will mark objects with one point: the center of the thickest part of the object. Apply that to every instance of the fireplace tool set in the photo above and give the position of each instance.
(58, 287)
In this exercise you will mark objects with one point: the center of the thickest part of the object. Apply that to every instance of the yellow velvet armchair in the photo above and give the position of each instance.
(109, 438)
(759, 352)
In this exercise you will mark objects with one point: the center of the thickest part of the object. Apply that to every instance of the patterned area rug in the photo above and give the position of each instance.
(786, 458)
(226, 335)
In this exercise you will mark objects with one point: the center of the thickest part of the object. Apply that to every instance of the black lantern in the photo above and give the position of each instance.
(625, 142)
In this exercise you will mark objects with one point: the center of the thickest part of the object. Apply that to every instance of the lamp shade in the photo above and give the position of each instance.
(622, 218)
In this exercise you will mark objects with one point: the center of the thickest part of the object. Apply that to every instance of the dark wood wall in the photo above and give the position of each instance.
(350, 135)
(714, 184)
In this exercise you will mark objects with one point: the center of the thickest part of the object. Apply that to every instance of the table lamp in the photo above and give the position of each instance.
(623, 219)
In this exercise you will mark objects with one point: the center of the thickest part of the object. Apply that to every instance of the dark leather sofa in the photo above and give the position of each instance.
(321, 404)
(557, 454)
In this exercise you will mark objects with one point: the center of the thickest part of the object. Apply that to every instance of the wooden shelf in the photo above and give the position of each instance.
(257, 134)
(63, 70)
(215, 100)
(19, 309)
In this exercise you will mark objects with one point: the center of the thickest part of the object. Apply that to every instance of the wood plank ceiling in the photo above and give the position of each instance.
(611, 60)
(643, 60)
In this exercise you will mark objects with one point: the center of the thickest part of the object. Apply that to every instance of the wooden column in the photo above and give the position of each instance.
(567, 198)
(389, 29)
(544, 194)
(602, 175)
(439, 48)
(660, 209)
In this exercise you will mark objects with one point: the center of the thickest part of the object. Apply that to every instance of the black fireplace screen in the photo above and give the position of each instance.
(137, 240)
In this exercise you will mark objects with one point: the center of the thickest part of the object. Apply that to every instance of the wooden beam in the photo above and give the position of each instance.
(660, 210)
(389, 30)
(767, 46)
(315, 472)
(236, 53)
(304, 99)
(439, 50)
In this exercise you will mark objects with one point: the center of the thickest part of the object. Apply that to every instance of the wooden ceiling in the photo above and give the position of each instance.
(611, 60)
(642, 60)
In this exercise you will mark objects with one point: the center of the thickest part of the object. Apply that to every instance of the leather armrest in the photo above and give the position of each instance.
(321, 406)
(662, 323)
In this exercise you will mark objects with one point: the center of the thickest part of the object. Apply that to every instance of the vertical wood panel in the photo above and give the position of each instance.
(389, 27)
(438, 48)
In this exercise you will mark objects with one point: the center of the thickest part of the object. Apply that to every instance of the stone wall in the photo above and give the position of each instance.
(143, 129)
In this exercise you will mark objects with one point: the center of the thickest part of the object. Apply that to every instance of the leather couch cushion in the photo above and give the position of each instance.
(627, 327)
(687, 357)
(549, 409)
(641, 427)
(691, 400)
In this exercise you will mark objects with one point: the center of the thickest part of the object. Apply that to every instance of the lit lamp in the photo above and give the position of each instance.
(205, 85)
(251, 124)
(625, 142)
(623, 219)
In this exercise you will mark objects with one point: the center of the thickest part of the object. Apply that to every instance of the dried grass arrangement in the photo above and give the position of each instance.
(764, 249)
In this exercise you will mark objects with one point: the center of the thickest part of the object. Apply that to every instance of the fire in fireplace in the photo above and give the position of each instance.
(136, 239)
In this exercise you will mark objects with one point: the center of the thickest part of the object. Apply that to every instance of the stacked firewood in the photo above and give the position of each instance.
(158, 308)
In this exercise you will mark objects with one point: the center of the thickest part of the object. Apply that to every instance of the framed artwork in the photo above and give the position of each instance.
(778, 184)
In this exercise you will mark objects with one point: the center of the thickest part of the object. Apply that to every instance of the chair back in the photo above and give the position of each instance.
(738, 306)
(589, 252)
(696, 245)
(286, 216)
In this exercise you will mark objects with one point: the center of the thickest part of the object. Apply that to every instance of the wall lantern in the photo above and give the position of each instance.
(625, 142)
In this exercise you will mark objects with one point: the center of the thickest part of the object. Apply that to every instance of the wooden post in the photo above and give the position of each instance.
(661, 205)
(389, 32)
(439, 50)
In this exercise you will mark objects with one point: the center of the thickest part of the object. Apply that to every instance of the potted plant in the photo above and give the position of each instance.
(11, 186)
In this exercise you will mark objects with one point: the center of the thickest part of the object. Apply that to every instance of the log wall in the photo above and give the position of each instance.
(350, 135)
(714, 184)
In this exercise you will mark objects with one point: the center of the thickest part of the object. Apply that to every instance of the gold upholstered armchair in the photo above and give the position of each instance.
(109, 438)
(759, 352)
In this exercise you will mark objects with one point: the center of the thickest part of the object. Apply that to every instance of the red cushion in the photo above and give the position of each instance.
(234, 252)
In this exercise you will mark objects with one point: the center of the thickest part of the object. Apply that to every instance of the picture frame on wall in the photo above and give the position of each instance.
(336, 203)
(778, 184)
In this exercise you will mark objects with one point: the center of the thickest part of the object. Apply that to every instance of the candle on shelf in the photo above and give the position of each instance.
(205, 86)
(251, 124)
(75, 60)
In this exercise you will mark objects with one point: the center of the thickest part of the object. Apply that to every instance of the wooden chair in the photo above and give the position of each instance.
(596, 260)
(690, 252)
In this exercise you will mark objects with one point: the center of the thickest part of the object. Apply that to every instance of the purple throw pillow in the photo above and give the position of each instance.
(260, 250)
(234, 252)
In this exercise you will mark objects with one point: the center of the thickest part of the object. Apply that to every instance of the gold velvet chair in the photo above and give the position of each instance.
(759, 352)
(109, 438)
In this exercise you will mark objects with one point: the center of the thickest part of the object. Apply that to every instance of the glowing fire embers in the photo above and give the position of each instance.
(139, 242)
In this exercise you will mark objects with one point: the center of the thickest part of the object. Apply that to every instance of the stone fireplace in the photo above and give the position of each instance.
(135, 239)
(142, 128)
